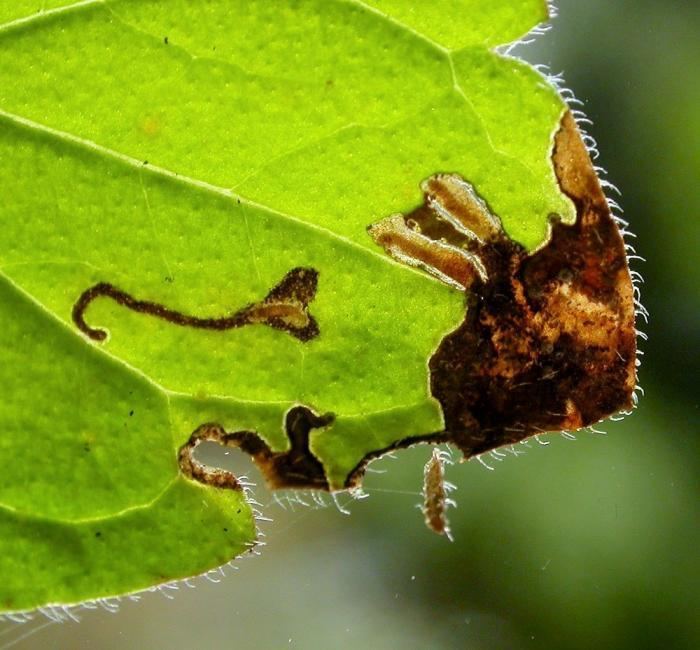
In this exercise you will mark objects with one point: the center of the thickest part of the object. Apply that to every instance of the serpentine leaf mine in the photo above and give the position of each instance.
(284, 308)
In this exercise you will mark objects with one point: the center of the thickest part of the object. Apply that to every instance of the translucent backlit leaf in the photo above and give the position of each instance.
(184, 254)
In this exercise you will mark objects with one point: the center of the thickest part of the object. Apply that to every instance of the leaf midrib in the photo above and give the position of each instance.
(18, 121)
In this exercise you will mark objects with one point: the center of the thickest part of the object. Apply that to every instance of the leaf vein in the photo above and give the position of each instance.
(125, 159)
(91, 520)
(44, 14)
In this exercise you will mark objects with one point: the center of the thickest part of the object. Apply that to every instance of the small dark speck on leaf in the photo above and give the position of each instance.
(131, 413)
(86, 447)
(98, 534)
(238, 512)
(165, 40)
(226, 529)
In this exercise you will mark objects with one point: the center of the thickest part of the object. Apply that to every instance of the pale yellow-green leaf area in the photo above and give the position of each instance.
(192, 154)
(17, 11)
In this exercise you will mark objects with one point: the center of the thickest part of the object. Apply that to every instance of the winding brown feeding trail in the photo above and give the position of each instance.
(295, 468)
(285, 308)
(548, 341)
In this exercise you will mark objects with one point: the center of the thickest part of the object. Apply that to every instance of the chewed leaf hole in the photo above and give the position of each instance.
(295, 467)
(217, 457)
(206, 458)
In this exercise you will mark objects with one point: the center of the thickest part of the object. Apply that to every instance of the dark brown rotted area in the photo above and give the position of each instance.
(548, 342)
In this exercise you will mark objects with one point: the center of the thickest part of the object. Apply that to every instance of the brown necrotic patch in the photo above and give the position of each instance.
(548, 340)
(295, 468)
(285, 308)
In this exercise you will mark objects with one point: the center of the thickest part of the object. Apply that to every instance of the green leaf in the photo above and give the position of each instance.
(191, 155)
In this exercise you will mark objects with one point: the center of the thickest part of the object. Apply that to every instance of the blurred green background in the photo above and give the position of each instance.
(585, 544)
